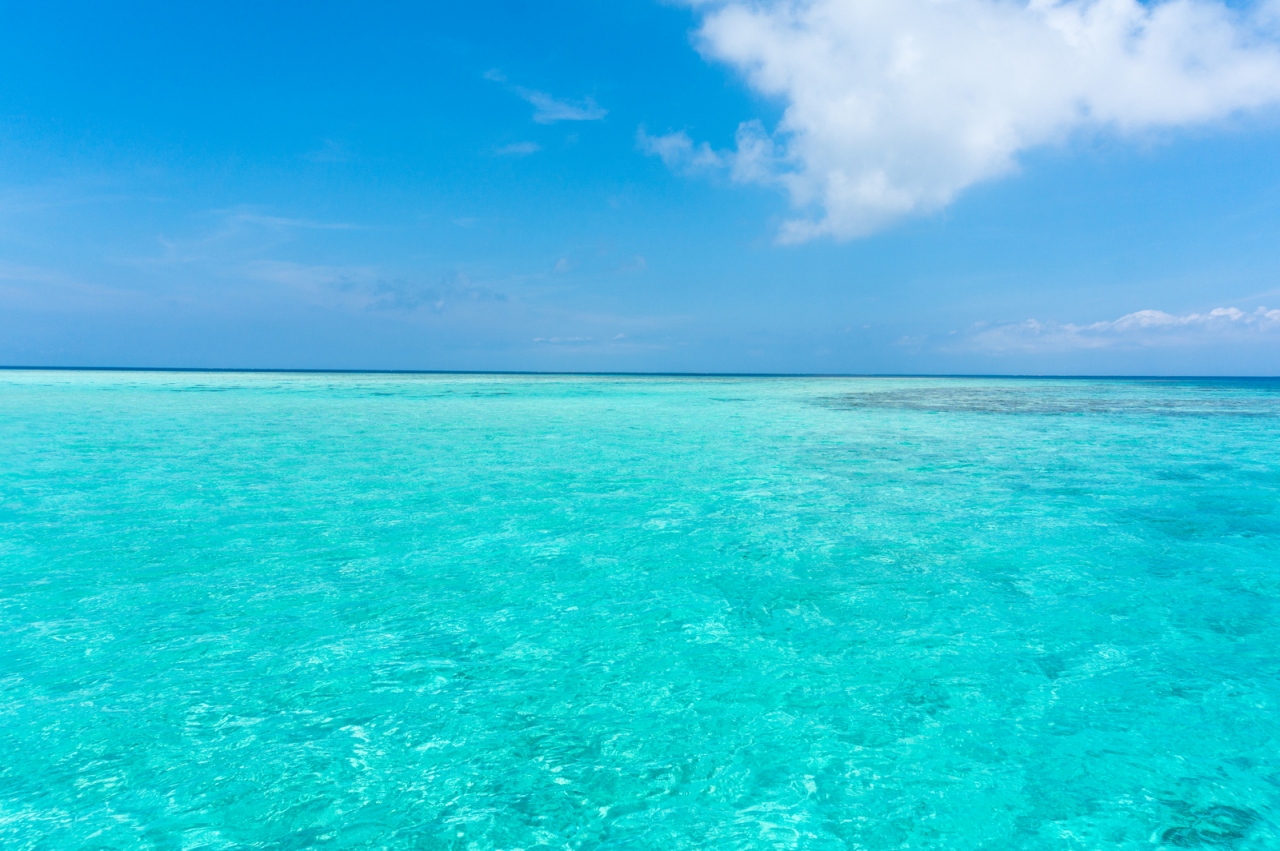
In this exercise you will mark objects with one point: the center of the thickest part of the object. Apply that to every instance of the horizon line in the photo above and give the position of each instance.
(626, 374)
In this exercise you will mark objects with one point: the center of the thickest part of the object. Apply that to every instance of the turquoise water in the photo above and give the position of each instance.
(494, 612)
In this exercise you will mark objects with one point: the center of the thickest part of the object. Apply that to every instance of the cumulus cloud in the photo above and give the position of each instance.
(893, 107)
(1144, 328)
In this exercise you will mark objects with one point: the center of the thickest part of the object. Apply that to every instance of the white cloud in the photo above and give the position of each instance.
(548, 109)
(635, 264)
(370, 288)
(248, 217)
(329, 152)
(893, 107)
(678, 151)
(518, 149)
(29, 274)
(563, 341)
(1145, 328)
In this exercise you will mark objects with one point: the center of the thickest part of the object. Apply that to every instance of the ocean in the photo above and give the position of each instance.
(286, 611)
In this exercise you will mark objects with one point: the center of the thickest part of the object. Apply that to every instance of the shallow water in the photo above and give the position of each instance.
(372, 611)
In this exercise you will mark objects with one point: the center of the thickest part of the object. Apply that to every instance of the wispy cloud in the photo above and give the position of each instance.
(35, 286)
(29, 274)
(679, 152)
(370, 288)
(329, 152)
(548, 109)
(1145, 328)
(895, 107)
(230, 235)
(249, 217)
(564, 341)
(635, 264)
(518, 149)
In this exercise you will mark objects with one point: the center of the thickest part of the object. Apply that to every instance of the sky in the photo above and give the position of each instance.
(753, 186)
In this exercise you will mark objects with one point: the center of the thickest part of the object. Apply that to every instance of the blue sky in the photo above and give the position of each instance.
(826, 186)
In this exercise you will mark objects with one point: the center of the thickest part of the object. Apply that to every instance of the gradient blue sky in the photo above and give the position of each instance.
(468, 186)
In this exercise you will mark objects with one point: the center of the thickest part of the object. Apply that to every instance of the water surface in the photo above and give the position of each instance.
(489, 612)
